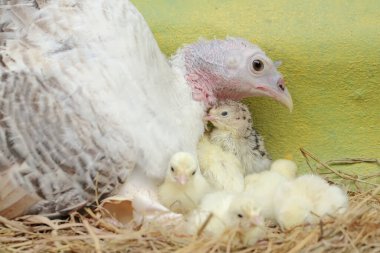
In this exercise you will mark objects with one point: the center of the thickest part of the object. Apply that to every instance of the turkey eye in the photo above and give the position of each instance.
(240, 215)
(193, 173)
(224, 113)
(172, 169)
(258, 65)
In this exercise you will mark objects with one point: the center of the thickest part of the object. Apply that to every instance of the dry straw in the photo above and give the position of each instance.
(358, 230)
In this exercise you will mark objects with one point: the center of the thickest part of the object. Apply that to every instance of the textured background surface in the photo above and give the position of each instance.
(331, 61)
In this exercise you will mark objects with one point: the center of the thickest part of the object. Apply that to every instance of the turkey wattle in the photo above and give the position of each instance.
(88, 100)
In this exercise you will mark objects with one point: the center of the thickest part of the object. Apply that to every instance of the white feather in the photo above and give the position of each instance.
(103, 70)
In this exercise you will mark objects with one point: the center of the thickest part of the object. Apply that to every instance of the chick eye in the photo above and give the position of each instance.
(224, 113)
(172, 169)
(240, 215)
(257, 65)
(193, 173)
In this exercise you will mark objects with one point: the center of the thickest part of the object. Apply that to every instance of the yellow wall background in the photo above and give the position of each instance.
(331, 61)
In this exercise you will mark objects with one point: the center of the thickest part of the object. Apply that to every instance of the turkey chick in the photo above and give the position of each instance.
(234, 133)
(184, 184)
(263, 186)
(286, 168)
(228, 211)
(222, 169)
(307, 199)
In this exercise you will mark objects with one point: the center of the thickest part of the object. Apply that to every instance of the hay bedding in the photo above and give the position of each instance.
(358, 230)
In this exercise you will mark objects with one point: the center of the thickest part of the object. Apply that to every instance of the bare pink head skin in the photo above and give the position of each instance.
(232, 69)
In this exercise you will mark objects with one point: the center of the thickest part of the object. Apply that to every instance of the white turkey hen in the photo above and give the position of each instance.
(89, 102)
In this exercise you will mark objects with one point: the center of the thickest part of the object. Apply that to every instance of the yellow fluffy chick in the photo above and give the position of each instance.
(228, 210)
(263, 186)
(184, 184)
(285, 167)
(234, 133)
(222, 169)
(307, 199)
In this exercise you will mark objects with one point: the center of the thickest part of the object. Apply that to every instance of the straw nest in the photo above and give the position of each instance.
(358, 230)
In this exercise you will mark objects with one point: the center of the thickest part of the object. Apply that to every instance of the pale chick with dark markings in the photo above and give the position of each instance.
(184, 185)
(234, 133)
(229, 211)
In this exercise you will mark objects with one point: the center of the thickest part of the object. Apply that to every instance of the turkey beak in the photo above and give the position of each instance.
(279, 93)
(286, 99)
(181, 179)
(284, 96)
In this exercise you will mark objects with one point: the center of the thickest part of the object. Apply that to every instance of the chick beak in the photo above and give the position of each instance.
(208, 117)
(181, 179)
(257, 220)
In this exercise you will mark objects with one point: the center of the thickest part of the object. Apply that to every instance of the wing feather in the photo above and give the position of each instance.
(62, 171)
(87, 95)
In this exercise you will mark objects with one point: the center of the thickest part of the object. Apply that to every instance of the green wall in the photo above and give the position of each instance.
(331, 61)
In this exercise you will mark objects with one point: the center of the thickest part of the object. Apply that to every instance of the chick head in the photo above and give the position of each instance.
(284, 167)
(182, 167)
(244, 212)
(231, 116)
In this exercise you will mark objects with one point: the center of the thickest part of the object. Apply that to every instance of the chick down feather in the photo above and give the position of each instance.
(228, 211)
(263, 186)
(221, 169)
(308, 199)
(184, 185)
(233, 131)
